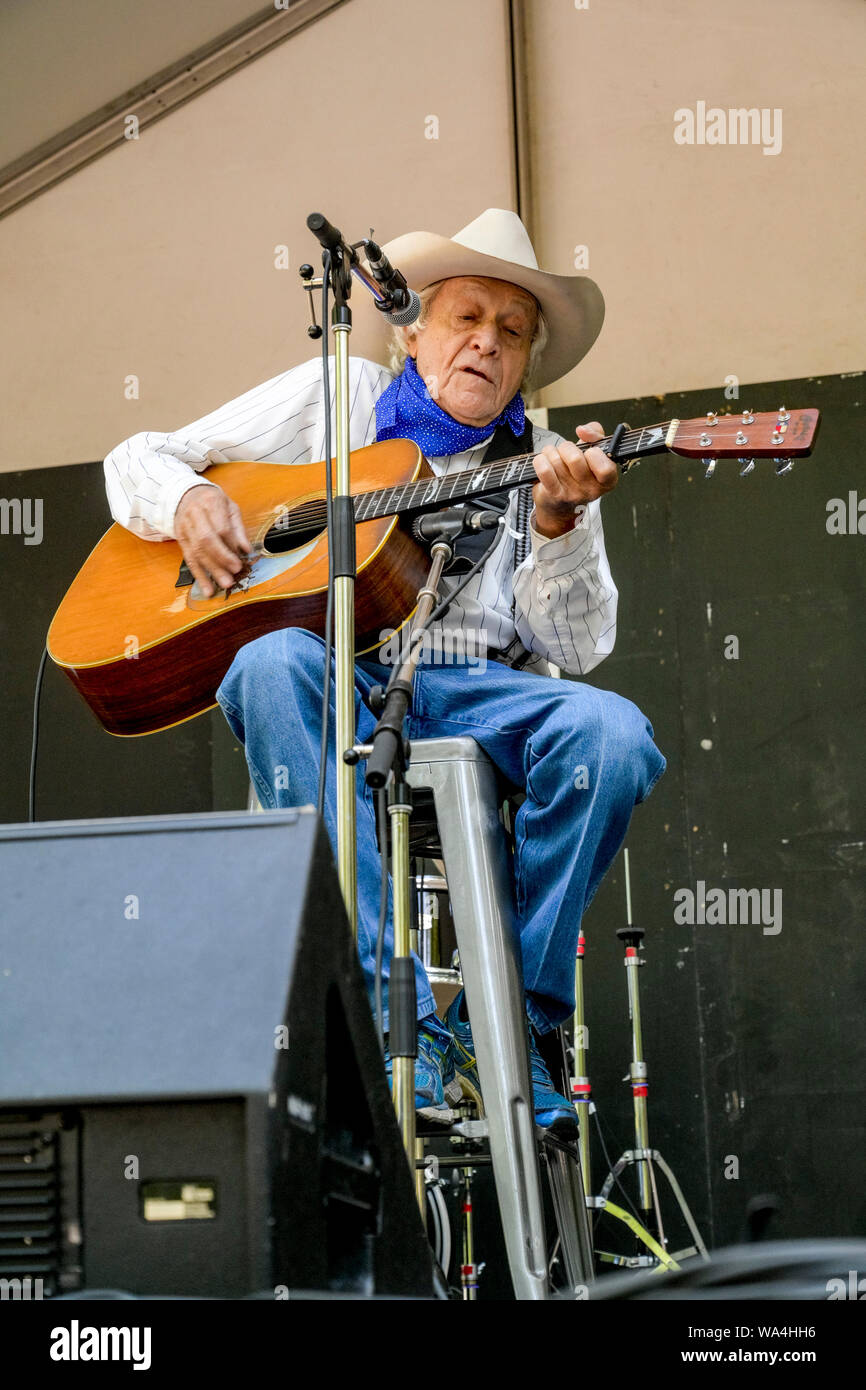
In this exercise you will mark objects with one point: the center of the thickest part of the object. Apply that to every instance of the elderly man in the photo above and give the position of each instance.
(492, 323)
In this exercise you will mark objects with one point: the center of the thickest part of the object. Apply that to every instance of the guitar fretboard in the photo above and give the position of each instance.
(429, 494)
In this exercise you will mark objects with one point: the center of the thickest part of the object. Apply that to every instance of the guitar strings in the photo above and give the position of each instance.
(312, 514)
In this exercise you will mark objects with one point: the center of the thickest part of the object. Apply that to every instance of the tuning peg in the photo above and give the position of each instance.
(784, 414)
(783, 466)
(711, 467)
(748, 465)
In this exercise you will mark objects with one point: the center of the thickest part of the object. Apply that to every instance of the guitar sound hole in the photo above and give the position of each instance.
(295, 527)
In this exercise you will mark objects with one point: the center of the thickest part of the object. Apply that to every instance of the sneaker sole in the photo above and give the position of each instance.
(438, 1116)
(561, 1126)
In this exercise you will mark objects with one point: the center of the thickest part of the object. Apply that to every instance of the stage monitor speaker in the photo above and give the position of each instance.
(192, 1096)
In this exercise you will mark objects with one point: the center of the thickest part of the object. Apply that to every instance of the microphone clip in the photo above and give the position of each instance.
(453, 522)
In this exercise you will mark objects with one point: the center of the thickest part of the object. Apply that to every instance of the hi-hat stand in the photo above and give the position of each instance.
(641, 1156)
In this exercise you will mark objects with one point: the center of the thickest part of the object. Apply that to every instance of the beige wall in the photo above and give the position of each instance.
(157, 260)
(61, 61)
(714, 260)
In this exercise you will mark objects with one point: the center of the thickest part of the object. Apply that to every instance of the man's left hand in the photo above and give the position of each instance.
(567, 476)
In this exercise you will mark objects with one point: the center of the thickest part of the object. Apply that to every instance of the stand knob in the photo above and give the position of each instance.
(631, 936)
(353, 755)
(376, 699)
(306, 273)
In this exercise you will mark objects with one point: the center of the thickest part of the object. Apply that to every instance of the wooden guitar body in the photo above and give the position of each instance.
(146, 654)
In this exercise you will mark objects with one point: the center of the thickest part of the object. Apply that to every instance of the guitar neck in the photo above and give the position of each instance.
(429, 494)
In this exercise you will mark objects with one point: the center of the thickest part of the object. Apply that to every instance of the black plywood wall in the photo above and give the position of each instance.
(753, 1036)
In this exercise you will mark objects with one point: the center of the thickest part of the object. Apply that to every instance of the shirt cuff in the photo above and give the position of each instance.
(571, 544)
(170, 495)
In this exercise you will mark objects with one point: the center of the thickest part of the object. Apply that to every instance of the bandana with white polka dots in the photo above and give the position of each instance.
(406, 410)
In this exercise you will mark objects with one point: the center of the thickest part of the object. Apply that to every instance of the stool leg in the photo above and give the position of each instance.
(479, 888)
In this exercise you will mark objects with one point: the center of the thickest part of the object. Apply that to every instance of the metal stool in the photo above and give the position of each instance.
(471, 842)
(466, 799)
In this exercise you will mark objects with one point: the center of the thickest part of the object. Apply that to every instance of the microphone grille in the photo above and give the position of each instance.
(403, 317)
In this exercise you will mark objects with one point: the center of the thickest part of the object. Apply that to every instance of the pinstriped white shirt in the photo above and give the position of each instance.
(559, 604)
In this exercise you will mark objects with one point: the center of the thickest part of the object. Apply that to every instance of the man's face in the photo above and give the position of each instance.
(472, 352)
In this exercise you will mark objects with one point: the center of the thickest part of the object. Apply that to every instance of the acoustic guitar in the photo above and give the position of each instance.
(147, 650)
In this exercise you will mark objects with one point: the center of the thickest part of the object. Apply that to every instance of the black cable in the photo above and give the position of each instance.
(626, 1198)
(329, 507)
(31, 800)
(382, 826)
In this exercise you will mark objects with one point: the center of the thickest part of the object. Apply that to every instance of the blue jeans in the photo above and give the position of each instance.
(585, 757)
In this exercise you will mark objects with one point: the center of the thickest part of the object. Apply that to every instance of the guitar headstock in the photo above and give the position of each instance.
(782, 436)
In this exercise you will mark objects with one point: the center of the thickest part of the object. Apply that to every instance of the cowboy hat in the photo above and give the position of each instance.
(496, 246)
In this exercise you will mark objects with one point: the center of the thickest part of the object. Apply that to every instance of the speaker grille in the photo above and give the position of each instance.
(37, 1168)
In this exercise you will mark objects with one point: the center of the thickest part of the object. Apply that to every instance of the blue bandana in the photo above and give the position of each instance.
(406, 410)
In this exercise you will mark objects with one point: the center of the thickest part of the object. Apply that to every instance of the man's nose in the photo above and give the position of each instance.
(486, 337)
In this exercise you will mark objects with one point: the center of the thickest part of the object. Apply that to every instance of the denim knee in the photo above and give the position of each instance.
(292, 646)
(633, 740)
(598, 729)
(290, 650)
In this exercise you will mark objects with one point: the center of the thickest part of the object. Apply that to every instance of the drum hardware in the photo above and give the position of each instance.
(645, 1159)
(432, 898)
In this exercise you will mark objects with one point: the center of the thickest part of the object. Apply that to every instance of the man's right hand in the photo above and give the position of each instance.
(211, 534)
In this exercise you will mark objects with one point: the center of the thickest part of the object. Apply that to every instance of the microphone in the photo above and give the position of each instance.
(399, 304)
(391, 294)
(329, 237)
(401, 317)
(453, 522)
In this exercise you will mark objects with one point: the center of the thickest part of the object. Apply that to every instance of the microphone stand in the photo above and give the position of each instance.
(387, 753)
(390, 291)
(337, 256)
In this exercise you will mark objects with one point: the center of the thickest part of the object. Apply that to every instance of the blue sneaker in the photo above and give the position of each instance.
(552, 1110)
(436, 1090)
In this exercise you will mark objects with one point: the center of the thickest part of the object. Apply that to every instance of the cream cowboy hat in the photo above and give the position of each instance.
(497, 246)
